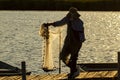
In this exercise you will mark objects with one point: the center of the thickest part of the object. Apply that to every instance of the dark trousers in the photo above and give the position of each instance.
(69, 53)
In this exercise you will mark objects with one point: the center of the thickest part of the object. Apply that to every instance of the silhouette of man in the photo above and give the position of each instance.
(73, 41)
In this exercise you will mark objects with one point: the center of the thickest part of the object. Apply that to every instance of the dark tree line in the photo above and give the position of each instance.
(93, 5)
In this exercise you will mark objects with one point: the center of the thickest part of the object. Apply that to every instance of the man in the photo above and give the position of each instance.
(73, 41)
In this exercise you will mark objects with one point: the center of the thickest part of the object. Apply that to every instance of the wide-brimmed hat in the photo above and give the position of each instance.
(73, 11)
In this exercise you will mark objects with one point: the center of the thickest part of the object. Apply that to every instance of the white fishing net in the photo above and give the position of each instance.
(52, 46)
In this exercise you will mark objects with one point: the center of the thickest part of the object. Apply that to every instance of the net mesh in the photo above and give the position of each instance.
(52, 46)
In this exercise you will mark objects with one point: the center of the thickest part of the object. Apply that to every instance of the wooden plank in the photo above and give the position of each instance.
(36, 78)
(104, 73)
(95, 75)
(32, 77)
(3, 78)
(60, 76)
(49, 77)
(83, 76)
(43, 76)
(99, 66)
(111, 74)
(89, 75)
(13, 74)
(10, 78)
(20, 78)
(39, 77)
(101, 74)
(7, 71)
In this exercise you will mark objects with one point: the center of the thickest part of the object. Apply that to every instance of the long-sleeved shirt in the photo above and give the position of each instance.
(75, 25)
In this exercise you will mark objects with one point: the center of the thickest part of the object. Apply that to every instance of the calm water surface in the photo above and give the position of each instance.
(20, 41)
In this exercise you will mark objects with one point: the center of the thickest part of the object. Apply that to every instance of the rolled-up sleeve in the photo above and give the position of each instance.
(61, 22)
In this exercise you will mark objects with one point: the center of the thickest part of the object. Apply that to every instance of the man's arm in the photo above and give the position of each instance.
(47, 24)
(57, 23)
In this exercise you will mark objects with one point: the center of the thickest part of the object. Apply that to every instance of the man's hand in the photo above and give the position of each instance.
(46, 24)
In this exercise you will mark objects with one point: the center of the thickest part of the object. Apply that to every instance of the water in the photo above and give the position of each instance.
(20, 41)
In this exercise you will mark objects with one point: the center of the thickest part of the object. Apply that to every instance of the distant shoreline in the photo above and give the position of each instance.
(98, 5)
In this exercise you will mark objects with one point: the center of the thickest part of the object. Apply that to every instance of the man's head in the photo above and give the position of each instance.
(73, 13)
(73, 10)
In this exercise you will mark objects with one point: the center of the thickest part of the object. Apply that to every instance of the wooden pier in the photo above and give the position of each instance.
(93, 71)
(106, 75)
(99, 75)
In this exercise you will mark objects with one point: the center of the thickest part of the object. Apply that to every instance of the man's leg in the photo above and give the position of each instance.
(64, 54)
(73, 59)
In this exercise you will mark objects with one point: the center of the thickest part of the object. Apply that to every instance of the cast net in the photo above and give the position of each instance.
(53, 39)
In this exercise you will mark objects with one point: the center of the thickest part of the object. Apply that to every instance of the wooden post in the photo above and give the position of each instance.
(118, 65)
(59, 50)
(59, 65)
(23, 70)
